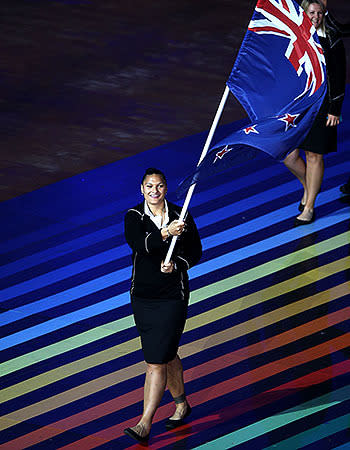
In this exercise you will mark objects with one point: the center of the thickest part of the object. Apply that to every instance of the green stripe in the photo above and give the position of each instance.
(66, 345)
(284, 418)
(270, 267)
(313, 434)
(196, 296)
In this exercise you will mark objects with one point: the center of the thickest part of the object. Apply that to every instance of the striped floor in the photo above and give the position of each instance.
(267, 344)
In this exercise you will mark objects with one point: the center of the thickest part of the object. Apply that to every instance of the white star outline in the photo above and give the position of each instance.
(289, 120)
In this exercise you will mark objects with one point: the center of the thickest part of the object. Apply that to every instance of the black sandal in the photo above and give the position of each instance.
(131, 433)
(298, 222)
(170, 424)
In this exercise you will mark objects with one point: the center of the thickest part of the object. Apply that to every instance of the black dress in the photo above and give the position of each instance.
(160, 300)
(322, 139)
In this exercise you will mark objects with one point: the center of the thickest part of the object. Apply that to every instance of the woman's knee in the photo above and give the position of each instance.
(156, 368)
(174, 360)
(291, 157)
(174, 363)
(313, 158)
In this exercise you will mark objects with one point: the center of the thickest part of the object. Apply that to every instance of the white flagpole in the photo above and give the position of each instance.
(204, 152)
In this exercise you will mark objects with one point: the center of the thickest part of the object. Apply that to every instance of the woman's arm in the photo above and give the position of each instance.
(336, 73)
(138, 239)
(342, 28)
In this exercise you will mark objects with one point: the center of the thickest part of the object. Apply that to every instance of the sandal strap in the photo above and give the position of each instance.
(180, 399)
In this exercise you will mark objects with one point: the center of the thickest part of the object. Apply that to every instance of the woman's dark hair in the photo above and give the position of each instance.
(153, 171)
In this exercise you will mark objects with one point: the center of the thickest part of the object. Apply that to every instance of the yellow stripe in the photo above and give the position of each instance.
(268, 293)
(264, 320)
(271, 267)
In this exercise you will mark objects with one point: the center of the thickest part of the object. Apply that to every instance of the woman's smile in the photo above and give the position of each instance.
(315, 14)
(154, 189)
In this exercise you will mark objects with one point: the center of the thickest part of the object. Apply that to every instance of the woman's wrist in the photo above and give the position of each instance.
(166, 233)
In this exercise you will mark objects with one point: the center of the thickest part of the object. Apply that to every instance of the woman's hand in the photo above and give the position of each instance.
(332, 121)
(167, 268)
(176, 227)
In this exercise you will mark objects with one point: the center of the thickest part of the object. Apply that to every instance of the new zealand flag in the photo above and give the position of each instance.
(279, 77)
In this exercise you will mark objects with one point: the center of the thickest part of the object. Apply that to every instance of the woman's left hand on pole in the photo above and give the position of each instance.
(167, 268)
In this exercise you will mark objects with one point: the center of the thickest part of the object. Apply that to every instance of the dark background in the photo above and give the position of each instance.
(85, 83)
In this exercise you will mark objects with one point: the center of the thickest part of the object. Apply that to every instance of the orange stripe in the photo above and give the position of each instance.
(268, 344)
(129, 398)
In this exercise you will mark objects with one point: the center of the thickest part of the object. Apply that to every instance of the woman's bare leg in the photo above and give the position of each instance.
(295, 163)
(175, 381)
(155, 383)
(314, 177)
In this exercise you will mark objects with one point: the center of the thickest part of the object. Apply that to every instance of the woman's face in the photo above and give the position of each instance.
(154, 189)
(315, 14)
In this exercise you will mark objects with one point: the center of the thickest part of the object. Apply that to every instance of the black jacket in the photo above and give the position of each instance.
(336, 63)
(149, 249)
(336, 30)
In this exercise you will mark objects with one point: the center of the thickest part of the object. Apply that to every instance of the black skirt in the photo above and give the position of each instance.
(321, 139)
(160, 323)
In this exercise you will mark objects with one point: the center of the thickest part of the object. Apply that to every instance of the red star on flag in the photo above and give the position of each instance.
(251, 129)
(222, 153)
(289, 120)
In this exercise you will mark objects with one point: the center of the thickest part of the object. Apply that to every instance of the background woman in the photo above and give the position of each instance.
(160, 294)
(336, 31)
(322, 137)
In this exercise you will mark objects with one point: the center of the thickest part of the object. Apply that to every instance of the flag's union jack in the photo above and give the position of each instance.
(283, 19)
(279, 77)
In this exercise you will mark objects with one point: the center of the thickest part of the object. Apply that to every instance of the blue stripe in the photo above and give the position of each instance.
(206, 267)
(98, 212)
(345, 446)
(258, 200)
(59, 250)
(110, 232)
(93, 214)
(209, 242)
(197, 271)
(104, 306)
(62, 321)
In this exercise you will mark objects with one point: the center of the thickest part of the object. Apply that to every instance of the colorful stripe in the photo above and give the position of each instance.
(266, 344)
